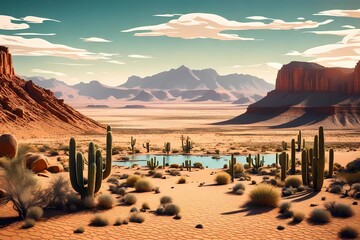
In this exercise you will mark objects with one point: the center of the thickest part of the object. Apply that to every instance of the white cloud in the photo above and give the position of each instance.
(70, 64)
(246, 66)
(94, 39)
(33, 19)
(116, 62)
(300, 18)
(259, 18)
(342, 54)
(341, 13)
(108, 54)
(274, 65)
(348, 26)
(6, 23)
(40, 47)
(202, 25)
(35, 34)
(167, 15)
(139, 56)
(58, 74)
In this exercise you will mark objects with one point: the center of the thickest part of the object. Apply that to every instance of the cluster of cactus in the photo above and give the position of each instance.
(187, 165)
(97, 170)
(147, 146)
(313, 161)
(255, 163)
(167, 147)
(186, 148)
(152, 163)
(132, 143)
(232, 163)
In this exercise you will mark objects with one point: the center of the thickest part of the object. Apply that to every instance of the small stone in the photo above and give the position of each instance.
(323, 198)
(172, 187)
(314, 205)
(177, 217)
(355, 203)
(280, 227)
(199, 226)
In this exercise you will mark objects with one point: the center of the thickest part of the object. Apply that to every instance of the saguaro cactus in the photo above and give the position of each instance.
(96, 170)
(182, 142)
(299, 141)
(257, 163)
(283, 165)
(132, 143)
(187, 165)
(167, 147)
(304, 167)
(147, 146)
(319, 160)
(232, 163)
(188, 145)
(293, 162)
(152, 163)
(249, 160)
(331, 163)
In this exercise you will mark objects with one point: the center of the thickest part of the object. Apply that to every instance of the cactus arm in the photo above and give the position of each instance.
(72, 165)
(99, 171)
(108, 161)
(91, 153)
(91, 180)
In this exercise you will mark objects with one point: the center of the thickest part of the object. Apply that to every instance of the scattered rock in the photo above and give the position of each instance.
(36, 162)
(314, 205)
(280, 227)
(177, 217)
(56, 168)
(8, 146)
(199, 226)
(355, 203)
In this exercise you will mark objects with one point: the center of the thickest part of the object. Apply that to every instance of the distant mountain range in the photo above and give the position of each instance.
(181, 84)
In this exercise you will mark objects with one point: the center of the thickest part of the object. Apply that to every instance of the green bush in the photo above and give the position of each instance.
(348, 232)
(129, 199)
(284, 207)
(145, 206)
(298, 217)
(136, 217)
(238, 168)
(239, 192)
(223, 178)
(28, 223)
(238, 186)
(265, 195)
(143, 185)
(35, 213)
(99, 221)
(174, 165)
(294, 182)
(319, 216)
(165, 200)
(339, 209)
(182, 180)
(197, 165)
(105, 201)
(171, 209)
(158, 175)
(131, 180)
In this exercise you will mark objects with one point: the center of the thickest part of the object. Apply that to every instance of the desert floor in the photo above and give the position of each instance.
(223, 215)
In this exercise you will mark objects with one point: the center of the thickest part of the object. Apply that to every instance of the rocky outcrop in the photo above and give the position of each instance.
(26, 108)
(6, 66)
(311, 77)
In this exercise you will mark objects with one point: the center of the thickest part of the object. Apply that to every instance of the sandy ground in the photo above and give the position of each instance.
(221, 213)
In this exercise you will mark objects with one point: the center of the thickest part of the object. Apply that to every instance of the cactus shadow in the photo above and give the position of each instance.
(6, 221)
(304, 197)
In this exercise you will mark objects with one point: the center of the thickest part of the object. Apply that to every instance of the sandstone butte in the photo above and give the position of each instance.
(25, 106)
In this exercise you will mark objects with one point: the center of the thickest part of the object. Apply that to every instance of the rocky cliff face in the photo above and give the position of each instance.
(311, 77)
(26, 108)
(6, 67)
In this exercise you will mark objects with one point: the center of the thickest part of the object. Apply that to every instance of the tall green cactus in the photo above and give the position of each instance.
(182, 143)
(277, 159)
(188, 145)
(331, 163)
(152, 163)
(132, 143)
(163, 163)
(283, 165)
(167, 147)
(232, 163)
(249, 160)
(303, 145)
(319, 160)
(304, 167)
(187, 165)
(293, 162)
(284, 145)
(257, 163)
(299, 141)
(147, 146)
(96, 170)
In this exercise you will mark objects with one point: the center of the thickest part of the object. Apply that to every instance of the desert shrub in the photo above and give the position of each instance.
(118, 222)
(223, 178)
(160, 210)
(124, 176)
(35, 213)
(174, 165)
(348, 232)
(129, 199)
(131, 180)
(28, 223)
(99, 221)
(238, 168)
(285, 207)
(294, 182)
(113, 180)
(238, 186)
(174, 173)
(21, 186)
(73, 202)
(298, 217)
(136, 217)
(165, 200)
(158, 175)
(336, 189)
(353, 166)
(105, 201)
(157, 190)
(134, 209)
(182, 180)
(339, 209)
(60, 190)
(121, 191)
(171, 209)
(356, 187)
(145, 206)
(143, 185)
(80, 229)
(319, 216)
(239, 192)
(253, 182)
(265, 195)
(197, 165)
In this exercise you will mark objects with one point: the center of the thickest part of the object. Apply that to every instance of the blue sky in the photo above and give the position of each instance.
(113, 39)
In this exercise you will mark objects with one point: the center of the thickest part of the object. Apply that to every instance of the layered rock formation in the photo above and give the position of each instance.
(308, 94)
(26, 108)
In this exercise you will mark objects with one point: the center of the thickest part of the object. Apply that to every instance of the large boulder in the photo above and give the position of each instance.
(36, 162)
(8, 146)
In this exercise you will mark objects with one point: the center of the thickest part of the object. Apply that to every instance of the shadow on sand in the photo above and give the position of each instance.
(250, 210)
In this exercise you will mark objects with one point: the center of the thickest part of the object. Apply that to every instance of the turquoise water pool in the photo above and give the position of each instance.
(207, 161)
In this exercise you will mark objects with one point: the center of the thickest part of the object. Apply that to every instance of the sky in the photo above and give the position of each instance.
(111, 40)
